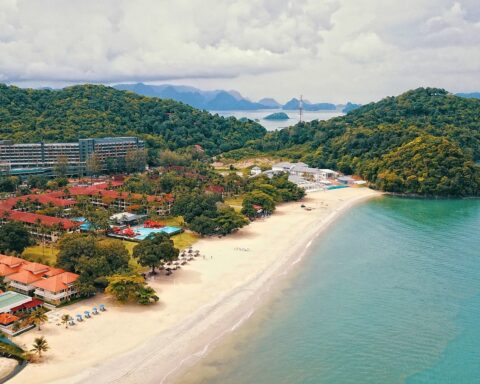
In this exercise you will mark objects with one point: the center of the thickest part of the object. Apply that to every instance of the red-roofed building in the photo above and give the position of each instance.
(22, 281)
(56, 226)
(56, 289)
(27, 307)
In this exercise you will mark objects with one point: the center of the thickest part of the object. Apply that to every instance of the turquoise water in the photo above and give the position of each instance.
(390, 294)
(144, 232)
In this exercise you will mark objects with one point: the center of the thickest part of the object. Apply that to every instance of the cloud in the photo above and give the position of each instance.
(325, 49)
(125, 40)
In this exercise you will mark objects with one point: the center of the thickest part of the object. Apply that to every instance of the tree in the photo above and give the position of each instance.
(228, 221)
(257, 198)
(61, 167)
(93, 165)
(9, 183)
(14, 237)
(203, 225)
(65, 319)
(131, 288)
(98, 218)
(94, 259)
(136, 160)
(37, 317)
(40, 345)
(154, 250)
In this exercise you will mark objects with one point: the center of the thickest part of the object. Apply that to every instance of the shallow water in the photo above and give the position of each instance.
(390, 294)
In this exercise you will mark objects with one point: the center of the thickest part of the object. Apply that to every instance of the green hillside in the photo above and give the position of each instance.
(396, 136)
(28, 115)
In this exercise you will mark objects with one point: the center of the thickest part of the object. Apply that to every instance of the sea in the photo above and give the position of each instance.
(389, 294)
(272, 125)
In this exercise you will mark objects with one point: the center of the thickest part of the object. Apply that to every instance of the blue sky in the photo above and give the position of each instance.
(327, 50)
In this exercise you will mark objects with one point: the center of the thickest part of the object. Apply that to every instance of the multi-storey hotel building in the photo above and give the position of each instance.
(41, 158)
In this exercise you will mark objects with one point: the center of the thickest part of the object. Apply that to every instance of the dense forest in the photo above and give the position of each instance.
(406, 144)
(425, 141)
(28, 115)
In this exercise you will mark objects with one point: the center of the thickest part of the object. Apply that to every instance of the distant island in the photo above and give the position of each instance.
(222, 100)
(277, 116)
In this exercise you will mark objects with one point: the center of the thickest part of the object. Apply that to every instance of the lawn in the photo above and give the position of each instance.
(48, 254)
(235, 202)
(181, 241)
(41, 254)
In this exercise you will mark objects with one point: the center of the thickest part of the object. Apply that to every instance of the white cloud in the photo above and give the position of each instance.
(329, 50)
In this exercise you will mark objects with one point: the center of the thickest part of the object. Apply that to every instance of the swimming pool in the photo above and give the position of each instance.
(85, 225)
(144, 232)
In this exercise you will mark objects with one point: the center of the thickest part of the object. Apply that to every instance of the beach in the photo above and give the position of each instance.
(198, 304)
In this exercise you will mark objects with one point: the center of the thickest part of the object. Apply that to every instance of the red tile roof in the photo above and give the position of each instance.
(56, 283)
(24, 277)
(33, 218)
(11, 261)
(36, 268)
(5, 270)
(31, 304)
(54, 271)
(7, 318)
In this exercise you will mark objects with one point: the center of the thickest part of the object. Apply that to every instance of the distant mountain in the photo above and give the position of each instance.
(218, 100)
(225, 101)
(472, 95)
(221, 100)
(350, 107)
(307, 106)
(269, 102)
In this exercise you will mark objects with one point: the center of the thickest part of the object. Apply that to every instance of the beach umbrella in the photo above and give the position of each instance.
(102, 307)
(79, 317)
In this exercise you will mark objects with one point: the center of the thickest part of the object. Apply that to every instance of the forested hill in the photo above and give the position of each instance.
(424, 141)
(28, 115)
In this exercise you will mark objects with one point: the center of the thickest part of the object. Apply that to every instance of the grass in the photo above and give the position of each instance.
(44, 255)
(235, 202)
(185, 240)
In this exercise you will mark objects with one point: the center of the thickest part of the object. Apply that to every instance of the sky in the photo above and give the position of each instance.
(327, 50)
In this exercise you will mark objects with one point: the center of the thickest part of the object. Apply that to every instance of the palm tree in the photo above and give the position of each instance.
(65, 319)
(40, 345)
(37, 317)
(16, 326)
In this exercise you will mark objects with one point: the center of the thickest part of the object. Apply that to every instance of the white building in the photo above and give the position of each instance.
(255, 171)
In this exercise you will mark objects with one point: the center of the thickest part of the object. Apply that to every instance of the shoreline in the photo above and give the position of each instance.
(264, 294)
(230, 286)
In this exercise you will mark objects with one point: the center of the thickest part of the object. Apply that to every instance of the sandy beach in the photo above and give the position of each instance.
(198, 304)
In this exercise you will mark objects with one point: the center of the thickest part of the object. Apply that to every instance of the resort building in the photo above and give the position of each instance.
(308, 178)
(255, 171)
(119, 201)
(12, 306)
(41, 158)
(56, 289)
(52, 285)
(45, 227)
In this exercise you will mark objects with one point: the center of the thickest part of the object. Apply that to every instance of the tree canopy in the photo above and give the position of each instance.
(83, 111)
(154, 250)
(366, 140)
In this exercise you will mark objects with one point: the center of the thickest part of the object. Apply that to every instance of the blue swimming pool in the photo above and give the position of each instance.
(144, 232)
(85, 226)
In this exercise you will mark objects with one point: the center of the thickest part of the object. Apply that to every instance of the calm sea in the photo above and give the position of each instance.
(272, 125)
(390, 294)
